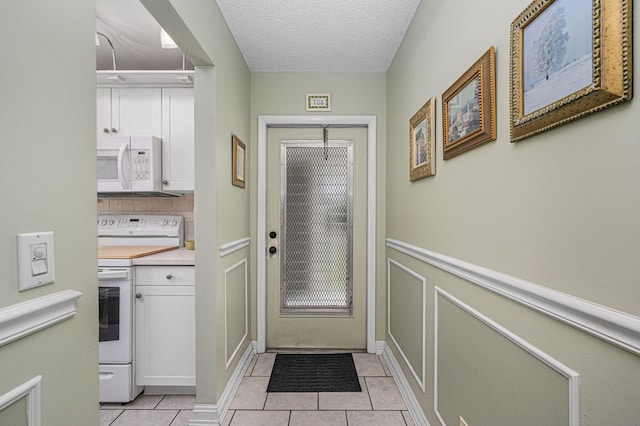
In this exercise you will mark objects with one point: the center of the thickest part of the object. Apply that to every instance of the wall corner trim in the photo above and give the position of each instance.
(24, 318)
(213, 414)
(616, 327)
(234, 246)
(417, 415)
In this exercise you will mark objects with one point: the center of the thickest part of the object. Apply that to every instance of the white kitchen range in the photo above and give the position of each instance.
(131, 352)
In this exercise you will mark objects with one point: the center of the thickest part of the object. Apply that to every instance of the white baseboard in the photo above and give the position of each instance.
(213, 414)
(417, 415)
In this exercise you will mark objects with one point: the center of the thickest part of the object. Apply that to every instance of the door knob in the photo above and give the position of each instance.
(273, 234)
(273, 250)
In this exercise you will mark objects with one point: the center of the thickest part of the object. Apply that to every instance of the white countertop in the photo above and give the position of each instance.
(180, 256)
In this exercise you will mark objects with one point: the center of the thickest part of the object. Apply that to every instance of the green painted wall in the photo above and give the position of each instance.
(222, 107)
(47, 180)
(351, 94)
(559, 209)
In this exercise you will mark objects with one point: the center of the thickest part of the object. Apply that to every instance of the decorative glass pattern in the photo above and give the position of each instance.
(316, 229)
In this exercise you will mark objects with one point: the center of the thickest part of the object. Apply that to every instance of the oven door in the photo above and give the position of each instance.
(115, 310)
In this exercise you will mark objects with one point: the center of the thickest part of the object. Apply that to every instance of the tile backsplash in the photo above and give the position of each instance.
(182, 206)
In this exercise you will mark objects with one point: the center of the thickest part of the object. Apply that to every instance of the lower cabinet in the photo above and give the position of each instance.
(165, 326)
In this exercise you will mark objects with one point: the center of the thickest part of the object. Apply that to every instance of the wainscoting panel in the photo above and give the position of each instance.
(615, 327)
(236, 316)
(406, 301)
(21, 406)
(488, 375)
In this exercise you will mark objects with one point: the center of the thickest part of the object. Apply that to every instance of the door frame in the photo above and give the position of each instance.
(266, 121)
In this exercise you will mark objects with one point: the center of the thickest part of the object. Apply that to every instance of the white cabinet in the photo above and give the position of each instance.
(167, 113)
(178, 139)
(165, 326)
(129, 112)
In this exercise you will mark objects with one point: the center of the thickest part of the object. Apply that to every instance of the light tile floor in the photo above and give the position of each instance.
(149, 410)
(379, 403)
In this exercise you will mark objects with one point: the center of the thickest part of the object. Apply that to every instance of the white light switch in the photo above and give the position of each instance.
(35, 260)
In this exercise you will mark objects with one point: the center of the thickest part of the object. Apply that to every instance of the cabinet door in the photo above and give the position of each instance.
(165, 336)
(178, 139)
(137, 111)
(103, 112)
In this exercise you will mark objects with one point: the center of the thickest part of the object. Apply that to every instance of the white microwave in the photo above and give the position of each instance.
(129, 165)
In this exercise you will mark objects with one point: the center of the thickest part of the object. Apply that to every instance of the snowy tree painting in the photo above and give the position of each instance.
(549, 50)
(557, 53)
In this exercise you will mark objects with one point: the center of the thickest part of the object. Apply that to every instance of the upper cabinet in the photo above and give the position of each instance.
(167, 113)
(177, 139)
(129, 112)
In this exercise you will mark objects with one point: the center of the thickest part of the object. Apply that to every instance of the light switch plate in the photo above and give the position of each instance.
(35, 260)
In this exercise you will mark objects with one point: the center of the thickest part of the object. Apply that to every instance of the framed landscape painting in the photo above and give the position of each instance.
(422, 142)
(469, 108)
(568, 58)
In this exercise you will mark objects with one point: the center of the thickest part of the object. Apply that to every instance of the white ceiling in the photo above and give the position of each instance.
(273, 35)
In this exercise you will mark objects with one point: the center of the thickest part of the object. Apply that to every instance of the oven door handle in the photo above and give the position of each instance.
(113, 274)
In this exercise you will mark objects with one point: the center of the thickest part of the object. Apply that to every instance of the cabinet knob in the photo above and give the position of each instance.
(138, 295)
(113, 130)
(169, 276)
(105, 130)
(165, 182)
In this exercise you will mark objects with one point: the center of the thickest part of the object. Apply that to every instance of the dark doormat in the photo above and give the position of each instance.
(314, 373)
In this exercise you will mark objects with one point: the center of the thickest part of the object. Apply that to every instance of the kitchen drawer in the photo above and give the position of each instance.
(165, 275)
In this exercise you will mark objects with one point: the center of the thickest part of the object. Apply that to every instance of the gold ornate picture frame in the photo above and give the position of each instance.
(238, 162)
(569, 58)
(469, 108)
(422, 142)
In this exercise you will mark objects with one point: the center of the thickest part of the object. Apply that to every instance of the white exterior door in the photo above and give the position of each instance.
(316, 198)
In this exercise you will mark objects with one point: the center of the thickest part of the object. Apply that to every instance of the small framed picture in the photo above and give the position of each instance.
(469, 108)
(422, 142)
(238, 161)
(318, 102)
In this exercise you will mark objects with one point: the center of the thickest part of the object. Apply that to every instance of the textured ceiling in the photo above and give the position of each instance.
(318, 35)
(273, 35)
